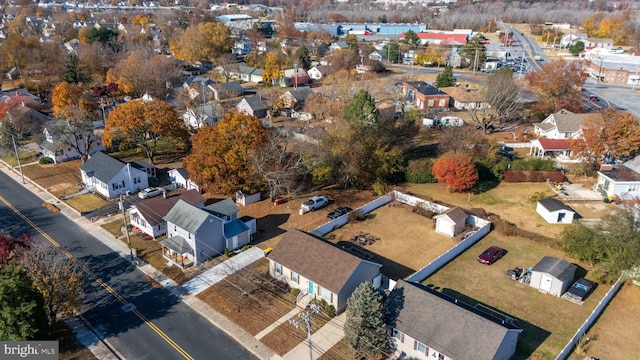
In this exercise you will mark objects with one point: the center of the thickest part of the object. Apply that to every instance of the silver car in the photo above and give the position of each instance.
(150, 192)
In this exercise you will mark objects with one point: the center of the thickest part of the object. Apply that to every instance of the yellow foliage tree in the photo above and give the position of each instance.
(272, 68)
(204, 42)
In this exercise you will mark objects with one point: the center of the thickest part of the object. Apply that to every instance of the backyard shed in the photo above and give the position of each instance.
(555, 211)
(451, 222)
(552, 275)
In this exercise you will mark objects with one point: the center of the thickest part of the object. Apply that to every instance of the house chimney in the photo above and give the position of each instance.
(606, 167)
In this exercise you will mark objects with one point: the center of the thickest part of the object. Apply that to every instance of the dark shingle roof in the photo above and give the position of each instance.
(556, 267)
(102, 166)
(456, 214)
(449, 326)
(183, 172)
(256, 103)
(301, 93)
(187, 216)
(315, 259)
(553, 204)
(425, 88)
(153, 210)
(621, 173)
(225, 207)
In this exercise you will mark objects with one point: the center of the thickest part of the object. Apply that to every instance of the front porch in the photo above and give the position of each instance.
(177, 251)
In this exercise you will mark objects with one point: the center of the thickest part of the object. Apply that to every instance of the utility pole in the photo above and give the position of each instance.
(475, 62)
(15, 148)
(295, 74)
(306, 317)
(126, 227)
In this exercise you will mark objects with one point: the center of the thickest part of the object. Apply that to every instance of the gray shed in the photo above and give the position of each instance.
(552, 275)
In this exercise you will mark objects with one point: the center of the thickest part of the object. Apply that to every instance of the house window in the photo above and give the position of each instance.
(294, 277)
(441, 103)
(632, 188)
(421, 347)
(430, 102)
(118, 185)
(324, 293)
(398, 335)
(278, 269)
(136, 180)
(440, 356)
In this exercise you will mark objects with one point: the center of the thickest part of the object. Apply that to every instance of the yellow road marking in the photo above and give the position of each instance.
(100, 282)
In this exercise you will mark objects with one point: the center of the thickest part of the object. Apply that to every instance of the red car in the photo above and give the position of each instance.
(490, 255)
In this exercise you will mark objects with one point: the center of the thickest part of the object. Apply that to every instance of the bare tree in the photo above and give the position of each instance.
(76, 130)
(278, 164)
(227, 65)
(57, 277)
(500, 99)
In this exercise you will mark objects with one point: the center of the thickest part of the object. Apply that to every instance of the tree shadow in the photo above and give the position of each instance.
(268, 227)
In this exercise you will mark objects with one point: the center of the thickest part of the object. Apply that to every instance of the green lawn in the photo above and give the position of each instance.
(25, 157)
(87, 202)
(548, 322)
(166, 150)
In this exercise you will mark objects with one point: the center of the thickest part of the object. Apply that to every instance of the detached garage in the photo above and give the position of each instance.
(555, 211)
(552, 275)
(451, 222)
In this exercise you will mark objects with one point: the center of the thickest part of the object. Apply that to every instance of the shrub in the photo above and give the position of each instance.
(125, 145)
(583, 169)
(419, 172)
(330, 310)
(356, 215)
(533, 176)
(379, 188)
(45, 160)
(295, 292)
(537, 196)
(424, 212)
(226, 252)
(534, 164)
(246, 247)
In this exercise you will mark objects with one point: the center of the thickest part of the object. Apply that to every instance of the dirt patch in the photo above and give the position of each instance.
(70, 348)
(51, 207)
(56, 178)
(286, 336)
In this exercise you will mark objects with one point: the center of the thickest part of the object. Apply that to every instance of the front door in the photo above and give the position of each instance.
(545, 283)
(311, 288)
(234, 240)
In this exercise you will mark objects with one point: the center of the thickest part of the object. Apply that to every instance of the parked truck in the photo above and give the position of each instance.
(314, 203)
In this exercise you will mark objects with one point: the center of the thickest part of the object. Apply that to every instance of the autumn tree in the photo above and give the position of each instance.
(273, 68)
(365, 330)
(445, 78)
(22, 315)
(607, 136)
(142, 72)
(12, 249)
(220, 159)
(57, 277)
(558, 86)
(457, 171)
(500, 99)
(433, 55)
(203, 42)
(143, 123)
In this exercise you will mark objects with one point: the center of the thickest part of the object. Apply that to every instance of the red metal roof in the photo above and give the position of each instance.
(444, 38)
(554, 144)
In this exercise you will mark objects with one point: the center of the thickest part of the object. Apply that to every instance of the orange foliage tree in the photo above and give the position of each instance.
(143, 123)
(610, 134)
(220, 155)
(66, 95)
(456, 171)
(558, 86)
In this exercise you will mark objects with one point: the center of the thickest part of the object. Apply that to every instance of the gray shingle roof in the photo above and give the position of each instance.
(568, 122)
(315, 259)
(102, 166)
(424, 88)
(183, 172)
(301, 93)
(225, 207)
(187, 216)
(553, 204)
(449, 326)
(256, 103)
(456, 214)
(556, 267)
(178, 244)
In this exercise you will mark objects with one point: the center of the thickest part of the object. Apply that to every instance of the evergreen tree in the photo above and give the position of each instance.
(475, 52)
(445, 78)
(365, 329)
(362, 111)
(303, 57)
(22, 315)
(411, 38)
(576, 48)
(391, 51)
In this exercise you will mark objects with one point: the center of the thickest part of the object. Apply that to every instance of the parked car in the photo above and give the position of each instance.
(491, 255)
(338, 212)
(315, 203)
(507, 154)
(594, 98)
(150, 192)
(580, 289)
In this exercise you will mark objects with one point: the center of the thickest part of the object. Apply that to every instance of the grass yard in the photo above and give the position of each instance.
(166, 151)
(511, 201)
(25, 157)
(59, 179)
(248, 298)
(286, 336)
(407, 242)
(87, 202)
(614, 336)
(548, 322)
(339, 351)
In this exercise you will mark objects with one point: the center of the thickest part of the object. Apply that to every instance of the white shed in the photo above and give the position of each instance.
(451, 222)
(555, 211)
(552, 275)
(246, 199)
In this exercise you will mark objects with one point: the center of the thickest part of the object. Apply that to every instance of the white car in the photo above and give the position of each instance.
(150, 192)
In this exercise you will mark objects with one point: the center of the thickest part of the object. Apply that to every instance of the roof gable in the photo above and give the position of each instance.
(556, 267)
(187, 216)
(225, 207)
(552, 204)
(102, 166)
(153, 210)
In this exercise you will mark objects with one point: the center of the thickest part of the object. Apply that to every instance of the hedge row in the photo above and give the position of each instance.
(532, 176)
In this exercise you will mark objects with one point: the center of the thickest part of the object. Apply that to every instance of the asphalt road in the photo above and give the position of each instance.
(157, 325)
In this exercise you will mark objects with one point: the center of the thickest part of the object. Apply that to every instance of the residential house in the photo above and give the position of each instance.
(180, 179)
(619, 181)
(254, 105)
(319, 268)
(553, 275)
(555, 211)
(338, 45)
(317, 72)
(454, 59)
(451, 222)
(431, 325)
(294, 99)
(226, 90)
(148, 215)
(571, 38)
(111, 177)
(296, 76)
(204, 115)
(195, 235)
(199, 88)
(57, 142)
(602, 43)
(563, 124)
(425, 96)
(247, 74)
(465, 98)
(557, 148)
(376, 55)
(241, 47)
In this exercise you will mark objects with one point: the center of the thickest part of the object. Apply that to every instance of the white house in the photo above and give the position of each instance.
(430, 325)
(148, 215)
(555, 211)
(451, 222)
(319, 268)
(195, 235)
(620, 180)
(111, 177)
(564, 124)
(552, 275)
(203, 115)
(317, 72)
(58, 149)
(180, 179)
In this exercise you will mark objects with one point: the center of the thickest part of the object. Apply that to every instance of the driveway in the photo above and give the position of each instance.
(577, 192)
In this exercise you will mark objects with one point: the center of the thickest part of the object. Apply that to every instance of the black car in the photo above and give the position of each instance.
(338, 212)
(580, 289)
(507, 154)
(594, 98)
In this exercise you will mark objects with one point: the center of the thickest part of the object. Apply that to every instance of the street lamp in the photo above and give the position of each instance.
(600, 69)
